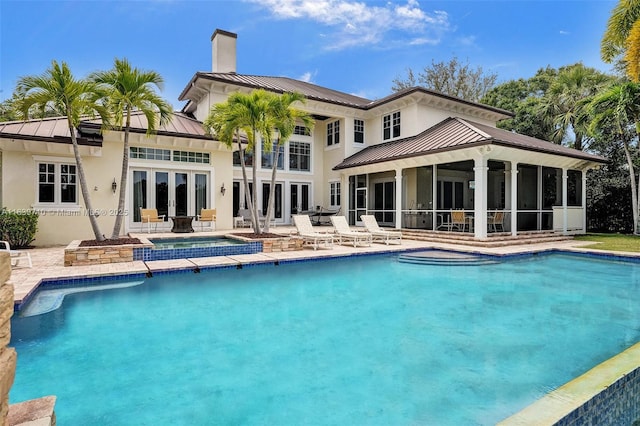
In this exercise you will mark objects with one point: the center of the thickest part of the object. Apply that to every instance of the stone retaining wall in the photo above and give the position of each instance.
(74, 255)
(7, 355)
(271, 245)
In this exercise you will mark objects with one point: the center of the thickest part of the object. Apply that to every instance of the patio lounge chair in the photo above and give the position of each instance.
(379, 234)
(16, 256)
(307, 233)
(206, 215)
(150, 216)
(344, 232)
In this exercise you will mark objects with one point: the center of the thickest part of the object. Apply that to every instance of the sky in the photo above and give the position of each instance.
(356, 47)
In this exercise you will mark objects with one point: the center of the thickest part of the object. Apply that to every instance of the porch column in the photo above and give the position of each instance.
(434, 198)
(398, 198)
(344, 195)
(584, 201)
(480, 198)
(565, 192)
(514, 198)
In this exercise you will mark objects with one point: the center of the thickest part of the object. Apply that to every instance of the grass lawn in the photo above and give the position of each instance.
(616, 242)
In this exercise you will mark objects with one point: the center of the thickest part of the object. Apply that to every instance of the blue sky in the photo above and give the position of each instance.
(354, 47)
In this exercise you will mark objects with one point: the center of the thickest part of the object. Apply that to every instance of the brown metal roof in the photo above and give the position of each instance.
(55, 129)
(50, 129)
(452, 134)
(319, 93)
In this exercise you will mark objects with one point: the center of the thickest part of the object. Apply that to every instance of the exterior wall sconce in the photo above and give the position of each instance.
(114, 185)
(223, 189)
(472, 184)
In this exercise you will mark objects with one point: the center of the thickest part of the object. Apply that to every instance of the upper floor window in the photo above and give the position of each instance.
(300, 156)
(248, 158)
(391, 126)
(267, 156)
(57, 183)
(302, 130)
(358, 131)
(333, 133)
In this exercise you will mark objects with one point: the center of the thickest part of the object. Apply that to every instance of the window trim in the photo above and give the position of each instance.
(332, 185)
(392, 122)
(297, 154)
(57, 203)
(358, 128)
(334, 134)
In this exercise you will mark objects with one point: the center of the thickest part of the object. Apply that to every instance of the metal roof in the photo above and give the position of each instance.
(323, 94)
(456, 133)
(55, 129)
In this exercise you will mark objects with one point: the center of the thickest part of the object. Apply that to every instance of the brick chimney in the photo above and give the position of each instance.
(223, 51)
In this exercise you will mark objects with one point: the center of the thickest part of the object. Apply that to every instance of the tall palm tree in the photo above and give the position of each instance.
(285, 118)
(622, 36)
(618, 109)
(249, 114)
(563, 104)
(57, 89)
(131, 89)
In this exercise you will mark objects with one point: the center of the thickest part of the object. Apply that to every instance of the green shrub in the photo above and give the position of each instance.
(18, 228)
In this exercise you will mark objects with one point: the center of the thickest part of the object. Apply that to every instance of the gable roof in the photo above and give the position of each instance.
(323, 94)
(55, 129)
(456, 133)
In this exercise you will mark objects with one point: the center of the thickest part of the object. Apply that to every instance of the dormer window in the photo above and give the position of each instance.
(333, 133)
(391, 126)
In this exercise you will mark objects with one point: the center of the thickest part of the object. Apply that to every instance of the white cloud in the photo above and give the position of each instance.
(307, 76)
(356, 23)
(563, 32)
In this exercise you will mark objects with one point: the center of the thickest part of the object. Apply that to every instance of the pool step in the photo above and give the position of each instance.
(438, 257)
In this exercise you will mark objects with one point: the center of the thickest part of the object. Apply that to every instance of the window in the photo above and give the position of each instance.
(333, 133)
(300, 156)
(391, 126)
(142, 153)
(302, 131)
(267, 157)
(191, 157)
(248, 158)
(334, 194)
(358, 131)
(57, 183)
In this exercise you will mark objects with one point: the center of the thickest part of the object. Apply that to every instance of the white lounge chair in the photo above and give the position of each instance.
(307, 233)
(344, 232)
(16, 256)
(379, 234)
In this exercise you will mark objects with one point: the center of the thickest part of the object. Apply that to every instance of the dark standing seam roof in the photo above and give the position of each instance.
(452, 134)
(319, 93)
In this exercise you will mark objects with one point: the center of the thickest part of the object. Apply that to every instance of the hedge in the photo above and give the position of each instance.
(19, 229)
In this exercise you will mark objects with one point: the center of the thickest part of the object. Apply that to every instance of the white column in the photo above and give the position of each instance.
(480, 198)
(434, 198)
(584, 201)
(344, 195)
(565, 212)
(398, 198)
(514, 198)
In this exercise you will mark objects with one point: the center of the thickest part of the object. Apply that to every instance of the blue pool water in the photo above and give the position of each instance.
(193, 242)
(346, 341)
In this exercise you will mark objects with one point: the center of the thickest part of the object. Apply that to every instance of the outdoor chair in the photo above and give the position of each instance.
(206, 215)
(309, 235)
(16, 256)
(345, 233)
(379, 234)
(496, 220)
(150, 216)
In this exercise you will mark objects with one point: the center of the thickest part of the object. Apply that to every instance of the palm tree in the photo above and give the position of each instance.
(622, 36)
(130, 89)
(249, 113)
(57, 89)
(618, 109)
(285, 119)
(563, 104)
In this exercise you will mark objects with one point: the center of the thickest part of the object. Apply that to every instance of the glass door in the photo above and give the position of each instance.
(384, 202)
(300, 197)
(277, 202)
(361, 197)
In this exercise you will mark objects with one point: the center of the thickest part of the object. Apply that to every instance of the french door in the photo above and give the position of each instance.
(300, 197)
(277, 201)
(171, 192)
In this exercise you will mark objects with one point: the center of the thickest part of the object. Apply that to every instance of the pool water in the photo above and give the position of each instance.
(194, 242)
(364, 340)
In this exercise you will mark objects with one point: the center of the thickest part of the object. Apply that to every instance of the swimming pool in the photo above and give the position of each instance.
(365, 340)
(191, 247)
(193, 242)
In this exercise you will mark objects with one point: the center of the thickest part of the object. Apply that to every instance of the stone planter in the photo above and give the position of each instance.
(74, 255)
(272, 245)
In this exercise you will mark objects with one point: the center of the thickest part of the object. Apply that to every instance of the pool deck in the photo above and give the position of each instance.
(48, 263)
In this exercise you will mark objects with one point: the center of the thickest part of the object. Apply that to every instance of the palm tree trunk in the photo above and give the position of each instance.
(117, 226)
(83, 184)
(634, 193)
